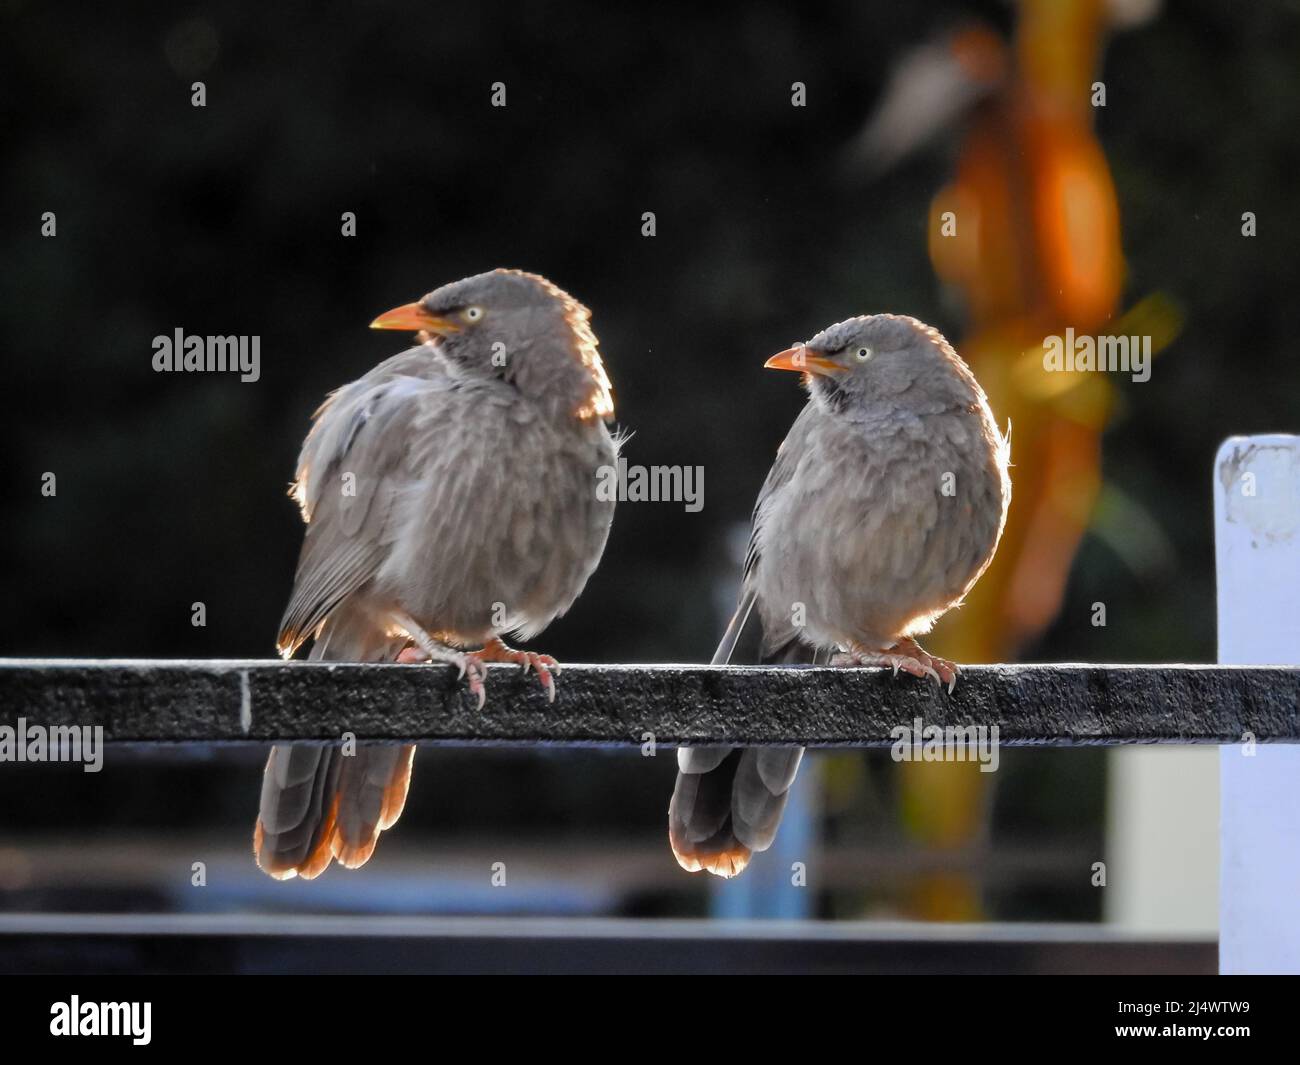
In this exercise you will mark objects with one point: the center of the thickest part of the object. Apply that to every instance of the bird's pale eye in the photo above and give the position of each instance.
(862, 354)
(472, 314)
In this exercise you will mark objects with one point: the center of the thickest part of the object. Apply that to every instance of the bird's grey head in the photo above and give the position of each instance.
(517, 327)
(881, 360)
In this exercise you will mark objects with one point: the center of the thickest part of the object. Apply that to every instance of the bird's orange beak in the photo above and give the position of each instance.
(413, 317)
(801, 359)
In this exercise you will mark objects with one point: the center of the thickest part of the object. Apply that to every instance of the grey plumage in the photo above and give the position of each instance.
(450, 499)
(884, 505)
(465, 495)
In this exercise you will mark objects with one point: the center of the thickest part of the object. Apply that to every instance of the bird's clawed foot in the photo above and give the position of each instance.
(465, 662)
(545, 666)
(906, 655)
(473, 664)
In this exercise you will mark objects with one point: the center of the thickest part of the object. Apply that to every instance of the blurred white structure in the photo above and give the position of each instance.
(1171, 866)
(1257, 548)
(1162, 833)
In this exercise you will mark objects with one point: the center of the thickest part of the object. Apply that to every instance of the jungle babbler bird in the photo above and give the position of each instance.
(450, 500)
(885, 504)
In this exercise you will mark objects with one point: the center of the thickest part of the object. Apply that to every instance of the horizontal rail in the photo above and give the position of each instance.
(257, 701)
(280, 943)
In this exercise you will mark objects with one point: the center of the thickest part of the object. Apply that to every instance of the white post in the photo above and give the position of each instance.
(1257, 551)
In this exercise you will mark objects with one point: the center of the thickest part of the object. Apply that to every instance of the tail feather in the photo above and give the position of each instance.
(728, 801)
(701, 804)
(762, 786)
(372, 792)
(699, 819)
(319, 804)
(720, 816)
(296, 815)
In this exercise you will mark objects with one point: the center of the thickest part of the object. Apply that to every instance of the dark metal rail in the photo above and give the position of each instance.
(259, 701)
(131, 943)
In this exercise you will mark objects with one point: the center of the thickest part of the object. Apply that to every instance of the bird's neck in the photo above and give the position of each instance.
(565, 380)
(827, 394)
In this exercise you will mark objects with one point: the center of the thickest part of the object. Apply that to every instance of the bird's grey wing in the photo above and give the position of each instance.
(747, 641)
(728, 801)
(350, 471)
(778, 477)
(743, 638)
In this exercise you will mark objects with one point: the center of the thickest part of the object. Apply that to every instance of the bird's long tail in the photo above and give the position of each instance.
(320, 803)
(728, 801)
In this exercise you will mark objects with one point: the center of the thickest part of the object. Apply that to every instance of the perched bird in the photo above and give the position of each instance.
(450, 499)
(884, 506)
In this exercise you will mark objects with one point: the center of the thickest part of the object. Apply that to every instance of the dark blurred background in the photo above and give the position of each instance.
(226, 219)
